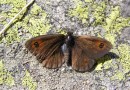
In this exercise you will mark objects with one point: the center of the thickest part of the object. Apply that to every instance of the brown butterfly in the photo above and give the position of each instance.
(82, 50)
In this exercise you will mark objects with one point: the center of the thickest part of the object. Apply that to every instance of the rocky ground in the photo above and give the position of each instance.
(109, 19)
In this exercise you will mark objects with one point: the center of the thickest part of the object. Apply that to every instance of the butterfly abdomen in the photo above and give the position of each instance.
(70, 44)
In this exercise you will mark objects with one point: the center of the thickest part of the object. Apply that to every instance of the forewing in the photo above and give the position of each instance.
(94, 47)
(86, 49)
(47, 49)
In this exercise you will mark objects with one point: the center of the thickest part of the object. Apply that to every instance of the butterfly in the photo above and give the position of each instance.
(82, 50)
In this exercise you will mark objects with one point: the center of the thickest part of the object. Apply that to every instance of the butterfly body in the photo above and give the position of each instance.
(82, 50)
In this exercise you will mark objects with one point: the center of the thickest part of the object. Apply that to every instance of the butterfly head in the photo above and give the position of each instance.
(69, 39)
(69, 33)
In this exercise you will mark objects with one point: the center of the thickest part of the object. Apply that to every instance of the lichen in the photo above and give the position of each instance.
(12, 33)
(15, 7)
(5, 76)
(27, 81)
(98, 13)
(80, 11)
(103, 62)
(111, 37)
(36, 25)
(118, 75)
(124, 59)
(88, 1)
(123, 51)
(61, 31)
(113, 23)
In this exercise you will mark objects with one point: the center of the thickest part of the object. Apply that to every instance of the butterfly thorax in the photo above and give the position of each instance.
(69, 43)
(69, 40)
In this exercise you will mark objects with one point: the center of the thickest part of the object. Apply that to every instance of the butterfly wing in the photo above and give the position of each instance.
(86, 49)
(47, 49)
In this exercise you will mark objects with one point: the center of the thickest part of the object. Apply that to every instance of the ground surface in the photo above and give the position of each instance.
(109, 19)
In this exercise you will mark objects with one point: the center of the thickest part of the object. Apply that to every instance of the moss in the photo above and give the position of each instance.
(28, 81)
(5, 76)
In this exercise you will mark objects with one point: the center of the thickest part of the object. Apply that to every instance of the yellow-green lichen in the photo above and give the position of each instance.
(61, 31)
(99, 67)
(124, 56)
(118, 75)
(112, 23)
(12, 32)
(36, 25)
(124, 61)
(115, 23)
(88, 1)
(80, 12)
(98, 13)
(111, 37)
(104, 62)
(112, 18)
(15, 7)
(27, 81)
(14, 3)
(12, 35)
(5, 76)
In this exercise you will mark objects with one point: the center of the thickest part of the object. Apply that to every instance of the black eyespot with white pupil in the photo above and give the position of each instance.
(36, 44)
(101, 45)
